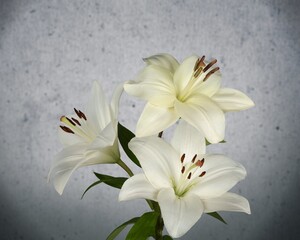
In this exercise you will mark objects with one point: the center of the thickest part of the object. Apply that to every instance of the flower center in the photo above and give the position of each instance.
(200, 74)
(190, 173)
(78, 126)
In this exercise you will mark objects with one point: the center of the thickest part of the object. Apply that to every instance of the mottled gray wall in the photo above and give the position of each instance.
(51, 51)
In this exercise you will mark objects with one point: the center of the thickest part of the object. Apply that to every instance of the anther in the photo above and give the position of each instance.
(210, 73)
(190, 175)
(194, 158)
(77, 112)
(202, 174)
(209, 65)
(199, 63)
(182, 158)
(71, 121)
(66, 129)
(80, 114)
(182, 169)
(76, 121)
(200, 163)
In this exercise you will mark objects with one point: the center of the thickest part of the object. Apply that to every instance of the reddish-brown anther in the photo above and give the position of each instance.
(194, 158)
(66, 129)
(76, 121)
(200, 163)
(209, 65)
(182, 158)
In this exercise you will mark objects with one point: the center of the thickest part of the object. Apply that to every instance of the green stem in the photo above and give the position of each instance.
(160, 223)
(125, 167)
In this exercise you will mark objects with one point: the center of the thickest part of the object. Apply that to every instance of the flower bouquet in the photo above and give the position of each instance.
(179, 180)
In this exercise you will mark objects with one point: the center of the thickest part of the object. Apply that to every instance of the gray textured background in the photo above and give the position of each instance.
(51, 51)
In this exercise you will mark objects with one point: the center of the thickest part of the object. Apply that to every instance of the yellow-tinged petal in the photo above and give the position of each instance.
(154, 120)
(163, 60)
(204, 115)
(153, 84)
(184, 73)
(232, 100)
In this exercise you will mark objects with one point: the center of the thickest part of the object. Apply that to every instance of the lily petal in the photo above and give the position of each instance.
(232, 100)
(153, 84)
(187, 140)
(160, 162)
(164, 60)
(115, 101)
(106, 137)
(204, 115)
(63, 164)
(184, 73)
(179, 214)
(154, 120)
(227, 202)
(98, 112)
(219, 178)
(137, 187)
(210, 86)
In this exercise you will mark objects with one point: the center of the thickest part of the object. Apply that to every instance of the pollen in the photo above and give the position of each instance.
(200, 163)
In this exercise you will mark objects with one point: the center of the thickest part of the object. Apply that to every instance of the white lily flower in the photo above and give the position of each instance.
(190, 90)
(88, 138)
(183, 179)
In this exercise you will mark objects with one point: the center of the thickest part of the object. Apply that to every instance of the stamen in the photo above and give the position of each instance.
(199, 63)
(71, 121)
(183, 169)
(66, 129)
(194, 158)
(200, 163)
(77, 112)
(76, 121)
(80, 114)
(210, 73)
(202, 174)
(182, 158)
(209, 65)
(199, 66)
(190, 175)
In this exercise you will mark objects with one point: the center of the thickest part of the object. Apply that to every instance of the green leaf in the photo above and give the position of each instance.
(217, 216)
(116, 182)
(125, 135)
(92, 185)
(119, 229)
(144, 227)
(208, 143)
(167, 237)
